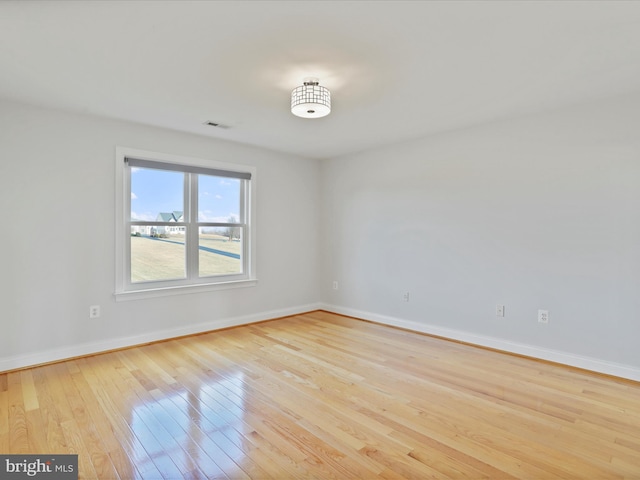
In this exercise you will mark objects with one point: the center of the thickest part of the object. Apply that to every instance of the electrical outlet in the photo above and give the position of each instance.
(94, 311)
(499, 310)
(543, 316)
(405, 297)
(335, 285)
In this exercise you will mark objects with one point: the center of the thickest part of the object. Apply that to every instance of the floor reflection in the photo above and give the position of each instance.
(192, 432)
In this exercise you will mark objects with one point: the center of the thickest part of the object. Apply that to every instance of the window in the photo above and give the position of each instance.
(182, 224)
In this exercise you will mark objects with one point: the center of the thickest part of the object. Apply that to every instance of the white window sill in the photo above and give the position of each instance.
(124, 296)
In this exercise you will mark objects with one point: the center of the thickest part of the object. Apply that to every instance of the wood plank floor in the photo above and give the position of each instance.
(322, 396)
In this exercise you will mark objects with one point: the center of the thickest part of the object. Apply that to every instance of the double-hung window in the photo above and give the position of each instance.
(183, 224)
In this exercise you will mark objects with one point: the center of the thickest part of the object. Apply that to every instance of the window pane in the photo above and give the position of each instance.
(156, 256)
(157, 195)
(218, 199)
(220, 251)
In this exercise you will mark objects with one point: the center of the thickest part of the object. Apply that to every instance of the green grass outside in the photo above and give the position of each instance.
(157, 260)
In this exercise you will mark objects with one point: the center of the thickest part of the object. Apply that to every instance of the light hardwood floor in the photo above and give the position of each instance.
(322, 396)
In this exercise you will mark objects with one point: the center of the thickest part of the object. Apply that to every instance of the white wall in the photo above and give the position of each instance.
(57, 195)
(542, 212)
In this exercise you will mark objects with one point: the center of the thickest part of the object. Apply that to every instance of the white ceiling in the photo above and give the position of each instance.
(396, 70)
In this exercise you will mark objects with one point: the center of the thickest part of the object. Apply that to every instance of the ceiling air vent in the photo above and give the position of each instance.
(216, 124)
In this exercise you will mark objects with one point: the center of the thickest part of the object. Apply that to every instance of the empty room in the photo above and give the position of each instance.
(320, 239)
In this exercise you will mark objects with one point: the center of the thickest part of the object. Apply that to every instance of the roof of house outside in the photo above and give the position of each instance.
(174, 216)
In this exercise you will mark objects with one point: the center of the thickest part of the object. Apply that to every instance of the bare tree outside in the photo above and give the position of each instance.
(233, 233)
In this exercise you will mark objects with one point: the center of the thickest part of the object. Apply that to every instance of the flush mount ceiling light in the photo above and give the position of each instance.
(310, 100)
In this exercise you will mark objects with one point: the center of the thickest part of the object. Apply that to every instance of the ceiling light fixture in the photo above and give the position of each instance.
(310, 100)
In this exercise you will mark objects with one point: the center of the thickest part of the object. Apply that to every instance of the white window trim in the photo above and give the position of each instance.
(123, 211)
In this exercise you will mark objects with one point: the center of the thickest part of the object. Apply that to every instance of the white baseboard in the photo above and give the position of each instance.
(587, 363)
(31, 359)
(578, 361)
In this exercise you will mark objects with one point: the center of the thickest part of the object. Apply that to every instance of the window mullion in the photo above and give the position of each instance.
(191, 200)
